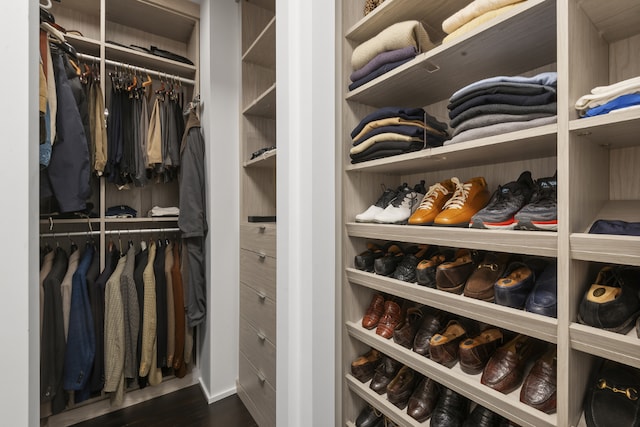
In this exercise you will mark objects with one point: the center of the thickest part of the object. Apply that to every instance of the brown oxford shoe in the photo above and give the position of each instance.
(539, 387)
(444, 347)
(393, 315)
(423, 399)
(384, 373)
(475, 352)
(400, 388)
(374, 312)
(480, 283)
(405, 332)
(505, 369)
(363, 367)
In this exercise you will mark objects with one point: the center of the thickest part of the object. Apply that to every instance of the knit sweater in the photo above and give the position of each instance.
(473, 10)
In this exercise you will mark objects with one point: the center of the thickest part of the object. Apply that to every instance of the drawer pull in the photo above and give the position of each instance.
(261, 377)
(262, 296)
(262, 256)
(262, 228)
(261, 336)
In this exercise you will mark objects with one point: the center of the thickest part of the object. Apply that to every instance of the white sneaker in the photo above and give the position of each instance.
(400, 208)
(383, 201)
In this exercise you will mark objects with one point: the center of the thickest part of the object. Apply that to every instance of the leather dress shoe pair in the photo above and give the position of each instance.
(394, 314)
(364, 366)
(423, 400)
(451, 276)
(386, 264)
(426, 269)
(370, 417)
(384, 373)
(404, 334)
(480, 284)
(543, 299)
(431, 324)
(364, 261)
(539, 387)
(474, 353)
(483, 417)
(401, 387)
(374, 312)
(451, 410)
(444, 346)
(612, 302)
(517, 282)
(504, 371)
(406, 269)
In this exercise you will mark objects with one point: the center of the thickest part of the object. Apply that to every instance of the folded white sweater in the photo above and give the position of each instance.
(602, 94)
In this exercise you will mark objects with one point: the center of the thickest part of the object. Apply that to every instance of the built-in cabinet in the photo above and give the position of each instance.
(588, 43)
(256, 384)
(102, 32)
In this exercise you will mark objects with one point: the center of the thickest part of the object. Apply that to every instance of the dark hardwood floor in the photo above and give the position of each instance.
(183, 408)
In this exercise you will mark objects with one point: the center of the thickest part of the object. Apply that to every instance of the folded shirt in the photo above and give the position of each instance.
(476, 22)
(473, 10)
(549, 78)
(504, 88)
(499, 129)
(168, 211)
(602, 94)
(400, 112)
(492, 119)
(390, 121)
(503, 109)
(500, 98)
(120, 211)
(396, 36)
(622, 101)
(377, 73)
(382, 59)
(606, 226)
(386, 149)
(407, 130)
(388, 136)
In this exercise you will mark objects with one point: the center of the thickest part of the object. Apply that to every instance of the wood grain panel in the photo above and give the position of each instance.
(614, 20)
(256, 81)
(624, 183)
(259, 272)
(259, 351)
(263, 50)
(260, 392)
(255, 19)
(259, 238)
(609, 345)
(259, 311)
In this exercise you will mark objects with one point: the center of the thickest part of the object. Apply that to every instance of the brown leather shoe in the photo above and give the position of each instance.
(466, 201)
(400, 388)
(423, 399)
(480, 282)
(432, 203)
(394, 313)
(364, 366)
(539, 387)
(374, 312)
(430, 325)
(505, 368)
(426, 269)
(405, 332)
(475, 352)
(451, 276)
(384, 373)
(443, 347)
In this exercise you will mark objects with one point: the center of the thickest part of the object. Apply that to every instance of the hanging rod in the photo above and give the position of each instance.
(136, 68)
(108, 232)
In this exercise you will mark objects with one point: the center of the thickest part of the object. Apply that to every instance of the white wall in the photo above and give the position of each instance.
(305, 67)
(219, 87)
(19, 325)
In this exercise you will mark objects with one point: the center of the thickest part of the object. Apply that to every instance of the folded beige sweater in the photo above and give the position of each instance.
(380, 138)
(396, 36)
(471, 11)
(476, 22)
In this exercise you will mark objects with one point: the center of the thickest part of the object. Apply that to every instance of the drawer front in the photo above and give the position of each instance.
(260, 392)
(259, 272)
(259, 238)
(259, 350)
(259, 311)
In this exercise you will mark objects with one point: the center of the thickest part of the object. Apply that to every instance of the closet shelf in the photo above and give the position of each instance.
(613, 20)
(138, 220)
(84, 44)
(615, 130)
(267, 160)
(46, 221)
(146, 60)
(534, 325)
(528, 143)
(263, 49)
(264, 105)
(392, 11)
(513, 241)
(609, 345)
(499, 47)
(507, 405)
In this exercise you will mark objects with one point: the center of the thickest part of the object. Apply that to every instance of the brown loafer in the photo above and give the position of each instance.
(374, 312)
(443, 347)
(480, 282)
(423, 400)
(539, 387)
(400, 388)
(364, 366)
(384, 373)
(505, 369)
(451, 276)
(475, 352)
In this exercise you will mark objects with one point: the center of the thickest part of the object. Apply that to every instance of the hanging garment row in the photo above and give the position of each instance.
(104, 332)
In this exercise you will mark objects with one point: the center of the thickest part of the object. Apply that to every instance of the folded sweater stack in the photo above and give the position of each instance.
(390, 48)
(502, 104)
(605, 99)
(390, 131)
(473, 15)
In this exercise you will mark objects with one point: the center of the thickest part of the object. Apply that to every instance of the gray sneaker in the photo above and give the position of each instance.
(505, 202)
(542, 212)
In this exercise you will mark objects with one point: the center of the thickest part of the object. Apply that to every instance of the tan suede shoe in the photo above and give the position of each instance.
(468, 199)
(432, 203)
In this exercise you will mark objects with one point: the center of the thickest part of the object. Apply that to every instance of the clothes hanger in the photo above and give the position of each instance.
(76, 67)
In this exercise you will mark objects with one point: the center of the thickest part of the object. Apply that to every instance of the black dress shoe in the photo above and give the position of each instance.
(544, 296)
(387, 264)
(431, 324)
(451, 411)
(364, 260)
(612, 396)
(385, 372)
(423, 400)
(483, 417)
(406, 270)
(404, 334)
(369, 417)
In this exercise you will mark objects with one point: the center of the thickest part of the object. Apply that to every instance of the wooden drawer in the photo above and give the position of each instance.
(259, 311)
(259, 238)
(259, 272)
(262, 395)
(259, 350)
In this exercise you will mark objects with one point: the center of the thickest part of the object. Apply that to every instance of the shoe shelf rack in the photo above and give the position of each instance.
(589, 43)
